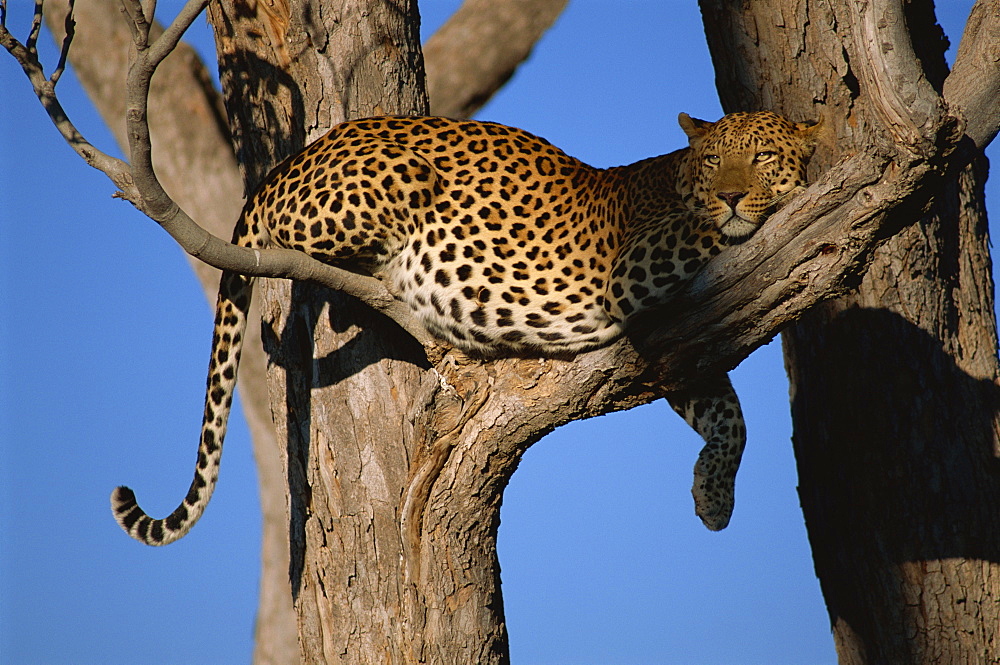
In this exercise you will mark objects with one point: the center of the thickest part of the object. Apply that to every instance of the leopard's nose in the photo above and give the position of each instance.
(731, 198)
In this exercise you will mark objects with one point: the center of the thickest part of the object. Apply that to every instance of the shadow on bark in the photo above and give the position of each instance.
(376, 338)
(914, 487)
(278, 136)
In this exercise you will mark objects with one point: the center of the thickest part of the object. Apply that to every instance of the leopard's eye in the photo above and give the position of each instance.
(764, 156)
(712, 160)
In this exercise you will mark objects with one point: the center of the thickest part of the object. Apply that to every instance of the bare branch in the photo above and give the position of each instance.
(289, 264)
(478, 49)
(973, 87)
(155, 201)
(168, 41)
(137, 22)
(198, 242)
(70, 28)
(31, 42)
(115, 169)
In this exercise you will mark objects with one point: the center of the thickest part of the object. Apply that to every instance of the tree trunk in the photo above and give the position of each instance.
(342, 377)
(395, 467)
(894, 386)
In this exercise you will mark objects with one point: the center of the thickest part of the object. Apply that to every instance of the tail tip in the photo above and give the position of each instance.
(120, 497)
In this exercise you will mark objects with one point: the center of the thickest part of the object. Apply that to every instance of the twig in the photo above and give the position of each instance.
(44, 89)
(67, 40)
(36, 27)
(137, 22)
(170, 37)
(156, 203)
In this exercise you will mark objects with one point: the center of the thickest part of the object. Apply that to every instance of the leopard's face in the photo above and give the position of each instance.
(745, 166)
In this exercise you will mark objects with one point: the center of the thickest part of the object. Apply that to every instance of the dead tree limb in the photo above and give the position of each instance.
(480, 47)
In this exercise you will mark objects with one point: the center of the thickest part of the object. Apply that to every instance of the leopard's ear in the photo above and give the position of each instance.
(809, 132)
(694, 128)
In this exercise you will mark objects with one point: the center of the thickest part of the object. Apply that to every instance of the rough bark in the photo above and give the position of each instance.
(893, 386)
(342, 376)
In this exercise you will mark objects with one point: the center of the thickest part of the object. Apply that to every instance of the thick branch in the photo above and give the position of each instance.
(889, 72)
(973, 87)
(472, 55)
(808, 252)
(804, 255)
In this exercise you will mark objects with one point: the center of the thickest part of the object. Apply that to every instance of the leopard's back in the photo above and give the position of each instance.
(498, 240)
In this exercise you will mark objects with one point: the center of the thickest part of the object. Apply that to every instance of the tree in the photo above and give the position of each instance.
(894, 384)
(510, 370)
(467, 63)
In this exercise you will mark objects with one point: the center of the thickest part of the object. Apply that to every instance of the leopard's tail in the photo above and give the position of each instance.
(231, 312)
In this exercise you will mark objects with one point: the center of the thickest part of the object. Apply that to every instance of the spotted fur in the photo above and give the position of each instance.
(503, 244)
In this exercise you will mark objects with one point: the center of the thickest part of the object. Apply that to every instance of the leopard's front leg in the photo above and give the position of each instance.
(713, 410)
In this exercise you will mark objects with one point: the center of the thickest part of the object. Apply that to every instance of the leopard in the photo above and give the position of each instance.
(501, 244)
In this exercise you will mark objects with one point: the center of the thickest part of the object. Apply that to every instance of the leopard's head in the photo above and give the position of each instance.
(746, 166)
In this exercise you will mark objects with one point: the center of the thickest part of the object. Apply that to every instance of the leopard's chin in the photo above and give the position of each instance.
(737, 228)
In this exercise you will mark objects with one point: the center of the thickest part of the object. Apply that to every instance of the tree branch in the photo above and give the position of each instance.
(882, 58)
(155, 202)
(973, 87)
(45, 90)
(805, 254)
(823, 241)
(199, 170)
(140, 185)
(479, 48)
(70, 29)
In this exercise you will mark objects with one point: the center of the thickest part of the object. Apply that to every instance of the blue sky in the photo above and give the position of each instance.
(105, 336)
